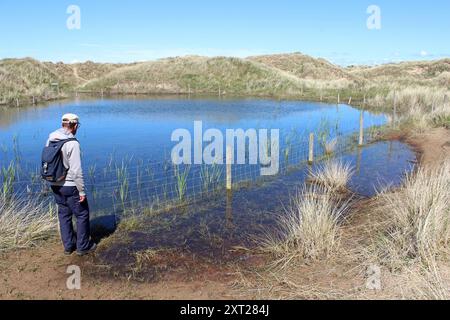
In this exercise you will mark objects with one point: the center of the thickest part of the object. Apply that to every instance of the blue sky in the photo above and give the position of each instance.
(137, 30)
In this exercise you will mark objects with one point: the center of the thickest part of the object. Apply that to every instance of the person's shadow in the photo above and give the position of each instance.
(102, 227)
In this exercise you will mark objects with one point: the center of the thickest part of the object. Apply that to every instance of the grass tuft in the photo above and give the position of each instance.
(308, 229)
(24, 223)
(330, 146)
(418, 217)
(332, 175)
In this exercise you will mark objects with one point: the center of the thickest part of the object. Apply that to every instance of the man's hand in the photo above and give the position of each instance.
(82, 199)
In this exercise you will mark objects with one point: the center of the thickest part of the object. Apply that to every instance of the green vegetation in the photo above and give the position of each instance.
(25, 77)
(27, 81)
(210, 176)
(415, 229)
(124, 185)
(197, 75)
(182, 182)
(425, 73)
(306, 67)
(8, 176)
(283, 76)
(327, 136)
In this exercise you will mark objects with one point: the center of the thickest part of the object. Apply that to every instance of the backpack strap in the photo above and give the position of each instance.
(61, 143)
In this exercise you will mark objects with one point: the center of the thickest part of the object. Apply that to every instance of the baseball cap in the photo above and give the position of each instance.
(70, 118)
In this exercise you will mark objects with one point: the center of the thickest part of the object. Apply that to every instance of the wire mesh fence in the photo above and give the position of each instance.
(144, 186)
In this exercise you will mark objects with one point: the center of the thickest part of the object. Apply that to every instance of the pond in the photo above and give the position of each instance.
(126, 146)
(211, 228)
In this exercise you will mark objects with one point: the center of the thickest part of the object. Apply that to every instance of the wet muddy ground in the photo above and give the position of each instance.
(222, 232)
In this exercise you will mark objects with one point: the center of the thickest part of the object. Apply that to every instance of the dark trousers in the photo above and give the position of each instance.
(68, 201)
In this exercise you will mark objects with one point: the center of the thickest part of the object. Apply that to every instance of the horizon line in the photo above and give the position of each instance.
(375, 64)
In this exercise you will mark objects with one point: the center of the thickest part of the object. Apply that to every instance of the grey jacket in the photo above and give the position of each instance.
(72, 160)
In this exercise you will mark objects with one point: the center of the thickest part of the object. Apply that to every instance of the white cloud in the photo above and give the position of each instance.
(423, 53)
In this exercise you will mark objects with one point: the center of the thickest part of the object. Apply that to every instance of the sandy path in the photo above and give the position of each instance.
(433, 146)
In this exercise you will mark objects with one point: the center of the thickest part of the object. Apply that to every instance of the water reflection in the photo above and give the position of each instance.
(132, 138)
(229, 211)
(214, 228)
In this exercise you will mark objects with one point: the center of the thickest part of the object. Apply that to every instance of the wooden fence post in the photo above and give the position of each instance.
(361, 129)
(229, 210)
(358, 161)
(229, 158)
(311, 148)
(350, 101)
(339, 98)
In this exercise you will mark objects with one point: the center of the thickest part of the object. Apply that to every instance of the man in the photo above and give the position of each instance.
(69, 193)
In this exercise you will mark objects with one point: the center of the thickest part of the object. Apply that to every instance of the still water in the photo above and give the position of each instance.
(126, 143)
(211, 229)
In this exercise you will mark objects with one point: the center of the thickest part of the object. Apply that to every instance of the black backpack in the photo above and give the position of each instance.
(52, 169)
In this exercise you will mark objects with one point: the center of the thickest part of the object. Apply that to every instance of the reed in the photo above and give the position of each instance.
(210, 176)
(122, 177)
(181, 182)
(330, 146)
(8, 175)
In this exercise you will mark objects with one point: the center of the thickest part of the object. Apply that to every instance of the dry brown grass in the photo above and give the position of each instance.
(309, 228)
(23, 79)
(282, 75)
(419, 215)
(304, 66)
(24, 223)
(333, 175)
(193, 74)
(407, 97)
(405, 73)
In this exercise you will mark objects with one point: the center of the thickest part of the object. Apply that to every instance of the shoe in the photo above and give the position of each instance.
(68, 253)
(90, 250)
